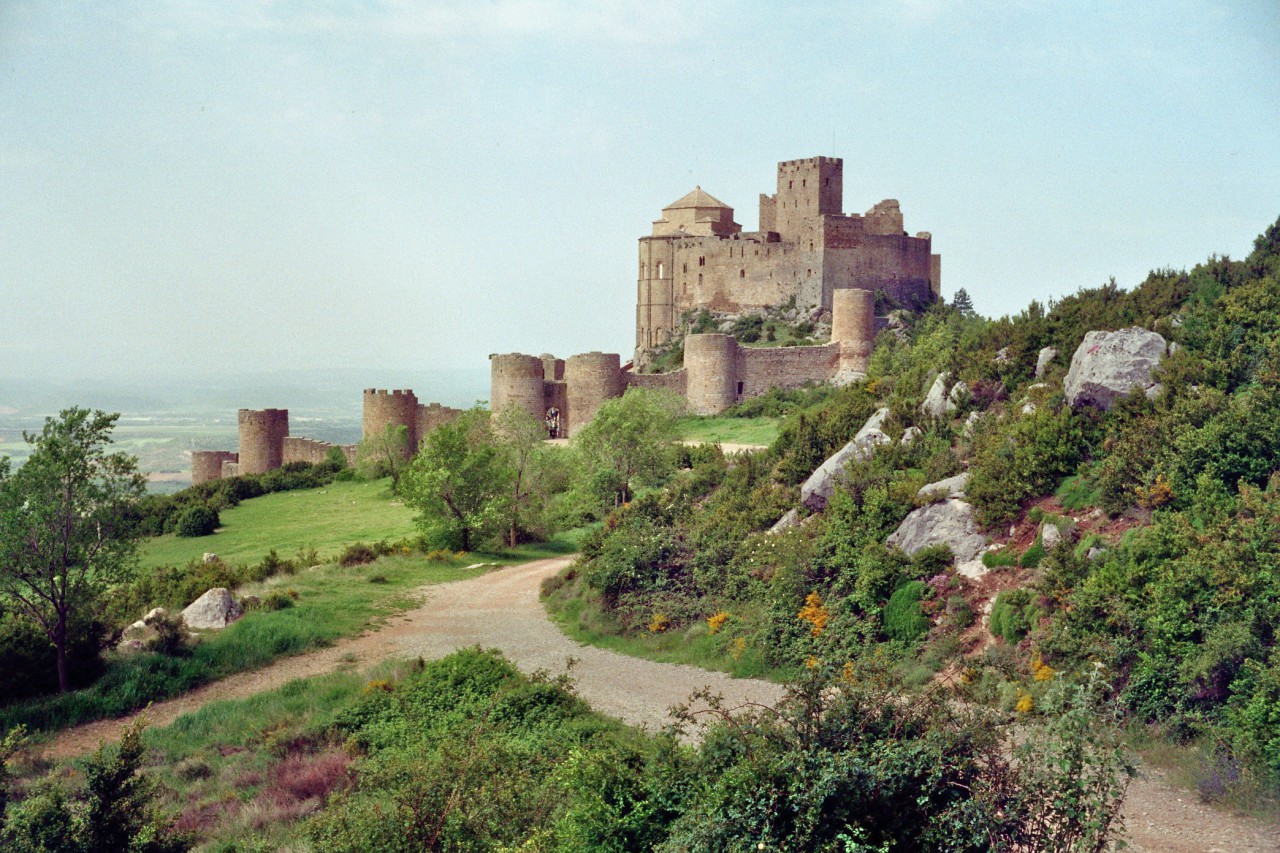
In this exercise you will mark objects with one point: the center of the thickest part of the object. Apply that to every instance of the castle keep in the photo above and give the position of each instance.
(806, 250)
(807, 255)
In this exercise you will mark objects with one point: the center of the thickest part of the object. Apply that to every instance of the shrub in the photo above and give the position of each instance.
(1032, 556)
(198, 520)
(904, 619)
(1013, 614)
(1001, 558)
(278, 600)
(357, 554)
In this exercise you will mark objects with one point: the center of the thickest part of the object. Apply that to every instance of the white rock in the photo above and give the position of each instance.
(951, 487)
(1108, 365)
(1001, 356)
(214, 610)
(791, 519)
(1028, 408)
(817, 490)
(1047, 355)
(959, 393)
(969, 423)
(974, 570)
(910, 434)
(1093, 554)
(935, 402)
(208, 557)
(1052, 534)
(949, 523)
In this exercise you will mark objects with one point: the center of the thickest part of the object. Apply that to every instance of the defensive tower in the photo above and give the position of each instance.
(711, 362)
(590, 379)
(383, 409)
(515, 380)
(853, 327)
(262, 434)
(206, 465)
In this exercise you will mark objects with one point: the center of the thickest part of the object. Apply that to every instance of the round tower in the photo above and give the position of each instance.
(391, 408)
(853, 326)
(516, 381)
(711, 365)
(590, 379)
(262, 434)
(206, 465)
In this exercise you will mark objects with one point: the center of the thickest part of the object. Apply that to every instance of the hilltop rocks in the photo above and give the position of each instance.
(951, 487)
(817, 490)
(1108, 365)
(935, 402)
(1047, 355)
(910, 434)
(959, 394)
(214, 610)
(949, 523)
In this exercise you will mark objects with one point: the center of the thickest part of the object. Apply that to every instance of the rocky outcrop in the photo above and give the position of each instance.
(958, 396)
(1109, 365)
(1047, 355)
(910, 434)
(935, 402)
(1053, 534)
(951, 487)
(791, 519)
(817, 490)
(214, 610)
(949, 523)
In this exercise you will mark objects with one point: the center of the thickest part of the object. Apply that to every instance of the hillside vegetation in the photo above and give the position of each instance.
(1166, 580)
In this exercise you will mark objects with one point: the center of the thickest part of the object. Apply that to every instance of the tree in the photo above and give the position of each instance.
(65, 535)
(520, 440)
(628, 442)
(458, 482)
(962, 302)
(386, 453)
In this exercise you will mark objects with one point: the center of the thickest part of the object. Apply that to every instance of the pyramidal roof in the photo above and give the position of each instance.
(698, 198)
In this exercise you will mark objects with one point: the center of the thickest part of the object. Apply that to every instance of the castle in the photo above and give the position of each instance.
(807, 254)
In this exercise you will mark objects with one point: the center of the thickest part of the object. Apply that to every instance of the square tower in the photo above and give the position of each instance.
(807, 190)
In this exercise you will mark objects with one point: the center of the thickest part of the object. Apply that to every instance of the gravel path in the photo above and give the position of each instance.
(501, 610)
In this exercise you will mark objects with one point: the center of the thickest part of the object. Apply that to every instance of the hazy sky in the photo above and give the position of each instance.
(240, 186)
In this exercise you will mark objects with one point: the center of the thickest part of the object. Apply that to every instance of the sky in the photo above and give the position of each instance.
(226, 186)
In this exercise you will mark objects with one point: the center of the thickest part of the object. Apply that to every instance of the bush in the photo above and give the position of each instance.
(357, 554)
(279, 600)
(1013, 614)
(198, 520)
(904, 619)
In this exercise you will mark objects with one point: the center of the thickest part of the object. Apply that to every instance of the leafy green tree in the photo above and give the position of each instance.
(629, 442)
(65, 535)
(459, 482)
(962, 302)
(386, 453)
(521, 445)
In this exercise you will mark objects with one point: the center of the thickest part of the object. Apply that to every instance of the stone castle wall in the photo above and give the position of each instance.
(206, 465)
(590, 379)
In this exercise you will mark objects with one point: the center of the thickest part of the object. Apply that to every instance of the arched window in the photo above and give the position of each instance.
(660, 269)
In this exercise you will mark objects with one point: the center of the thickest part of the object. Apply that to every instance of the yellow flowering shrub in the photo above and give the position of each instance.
(716, 622)
(814, 612)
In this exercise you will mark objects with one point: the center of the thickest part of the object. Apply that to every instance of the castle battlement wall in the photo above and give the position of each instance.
(206, 465)
(391, 408)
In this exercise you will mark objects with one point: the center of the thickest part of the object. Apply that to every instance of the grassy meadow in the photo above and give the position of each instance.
(730, 430)
(324, 519)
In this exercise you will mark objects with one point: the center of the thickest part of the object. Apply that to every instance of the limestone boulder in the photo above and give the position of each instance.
(1051, 535)
(959, 394)
(791, 519)
(951, 487)
(1047, 355)
(817, 490)
(910, 434)
(1109, 365)
(949, 522)
(935, 402)
(214, 610)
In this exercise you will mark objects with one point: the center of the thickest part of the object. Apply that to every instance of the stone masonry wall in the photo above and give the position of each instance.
(206, 465)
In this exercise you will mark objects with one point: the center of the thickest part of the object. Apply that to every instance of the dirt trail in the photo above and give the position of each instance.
(501, 610)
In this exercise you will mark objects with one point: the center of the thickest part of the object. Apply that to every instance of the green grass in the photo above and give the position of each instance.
(730, 430)
(576, 610)
(325, 519)
(332, 602)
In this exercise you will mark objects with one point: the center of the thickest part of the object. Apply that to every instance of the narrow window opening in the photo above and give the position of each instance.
(742, 273)
(660, 269)
(739, 389)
